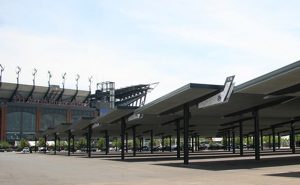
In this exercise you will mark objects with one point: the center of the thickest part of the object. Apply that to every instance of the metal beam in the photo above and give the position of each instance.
(190, 103)
(14, 93)
(260, 106)
(171, 121)
(237, 121)
(30, 94)
(287, 90)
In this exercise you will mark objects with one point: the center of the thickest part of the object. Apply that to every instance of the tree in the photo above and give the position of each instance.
(24, 143)
(101, 143)
(4, 145)
(81, 143)
(116, 143)
(63, 145)
(41, 142)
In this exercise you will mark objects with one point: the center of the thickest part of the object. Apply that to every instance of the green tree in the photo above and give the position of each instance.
(23, 143)
(63, 145)
(101, 143)
(81, 143)
(4, 145)
(116, 143)
(41, 142)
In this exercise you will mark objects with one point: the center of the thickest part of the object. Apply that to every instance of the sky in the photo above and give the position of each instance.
(173, 42)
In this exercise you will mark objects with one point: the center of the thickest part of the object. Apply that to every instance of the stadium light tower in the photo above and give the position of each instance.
(18, 70)
(49, 75)
(2, 69)
(77, 78)
(34, 74)
(64, 80)
(90, 83)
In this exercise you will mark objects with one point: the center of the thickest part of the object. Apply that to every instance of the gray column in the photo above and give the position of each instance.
(241, 139)
(55, 138)
(178, 138)
(256, 134)
(292, 138)
(279, 140)
(261, 140)
(273, 139)
(134, 141)
(123, 127)
(69, 142)
(151, 145)
(233, 141)
(89, 140)
(170, 144)
(186, 120)
(106, 143)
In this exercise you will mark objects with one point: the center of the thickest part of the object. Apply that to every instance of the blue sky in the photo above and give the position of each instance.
(130, 42)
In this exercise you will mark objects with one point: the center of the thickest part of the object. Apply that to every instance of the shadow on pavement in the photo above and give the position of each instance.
(236, 164)
(288, 174)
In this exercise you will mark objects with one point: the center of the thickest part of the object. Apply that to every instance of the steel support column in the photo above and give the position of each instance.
(126, 149)
(55, 138)
(123, 128)
(162, 144)
(248, 143)
(261, 140)
(273, 139)
(45, 138)
(193, 144)
(186, 120)
(241, 139)
(73, 144)
(151, 142)
(292, 138)
(256, 134)
(279, 140)
(69, 142)
(141, 143)
(134, 141)
(233, 141)
(170, 144)
(270, 145)
(35, 144)
(229, 142)
(225, 142)
(178, 138)
(58, 143)
(89, 140)
(106, 143)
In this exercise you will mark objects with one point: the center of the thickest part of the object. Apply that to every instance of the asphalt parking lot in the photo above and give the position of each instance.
(209, 168)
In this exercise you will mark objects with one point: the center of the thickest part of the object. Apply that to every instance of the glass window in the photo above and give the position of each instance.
(52, 117)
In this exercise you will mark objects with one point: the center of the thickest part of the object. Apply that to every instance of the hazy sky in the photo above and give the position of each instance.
(173, 42)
